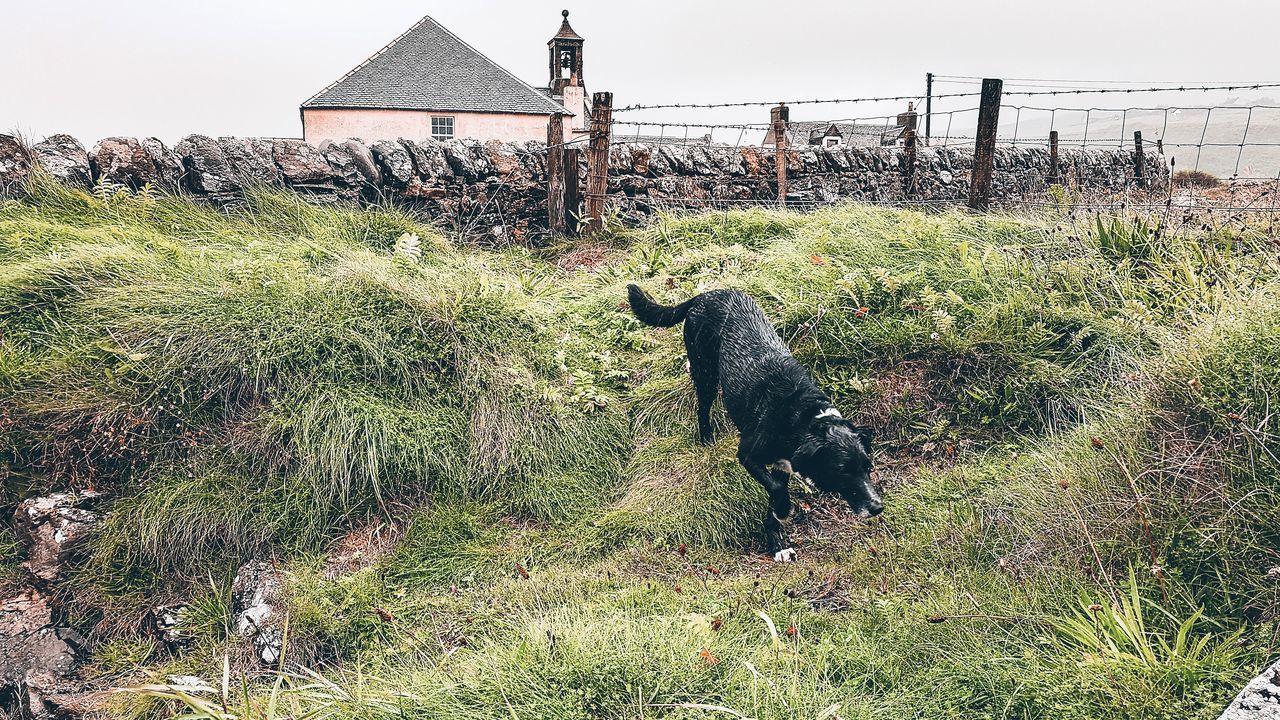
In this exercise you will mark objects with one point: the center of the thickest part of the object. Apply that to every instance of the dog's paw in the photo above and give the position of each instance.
(785, 555)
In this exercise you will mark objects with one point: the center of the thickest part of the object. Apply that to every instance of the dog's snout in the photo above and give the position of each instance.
(875, 507)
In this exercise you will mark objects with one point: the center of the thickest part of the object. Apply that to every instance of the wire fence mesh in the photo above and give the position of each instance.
(1208, 158)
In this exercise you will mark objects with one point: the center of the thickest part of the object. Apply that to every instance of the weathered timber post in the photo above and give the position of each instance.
(598, 160)
(1139, 162)
(556, 208)
(984, 147)
(1055, 178)
(928, 107)
(572, 188)
(779, 116)
(909, 172)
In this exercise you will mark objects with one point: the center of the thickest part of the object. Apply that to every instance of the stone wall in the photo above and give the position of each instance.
(497, 191)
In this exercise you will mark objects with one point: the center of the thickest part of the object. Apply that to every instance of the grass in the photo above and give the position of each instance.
(1074, 425)
(1196, 178)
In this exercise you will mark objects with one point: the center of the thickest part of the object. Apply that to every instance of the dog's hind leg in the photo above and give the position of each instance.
(775, 483)
(706, 383)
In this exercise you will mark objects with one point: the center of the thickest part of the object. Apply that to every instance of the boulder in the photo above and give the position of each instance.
(1259, 700)
(505, 158)
(394, 164)
(208, 171)
(15, 163)
(166, 624)
(257, 598)
(123, 161)
(252, 161)
(429, 161)
(347, 180)
(362, 156)
(65, 159)
(167, 163)
(37, 658)
(467, 159)
(54, 527)
(302, 166)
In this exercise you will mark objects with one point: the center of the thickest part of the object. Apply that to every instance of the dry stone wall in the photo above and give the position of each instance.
(498, 190)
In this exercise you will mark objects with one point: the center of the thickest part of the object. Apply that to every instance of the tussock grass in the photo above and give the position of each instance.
(1074, 416)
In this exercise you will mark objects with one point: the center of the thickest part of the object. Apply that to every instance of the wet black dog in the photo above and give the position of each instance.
(783, 418)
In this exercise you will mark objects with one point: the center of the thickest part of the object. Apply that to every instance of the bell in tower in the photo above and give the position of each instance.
(566, 56)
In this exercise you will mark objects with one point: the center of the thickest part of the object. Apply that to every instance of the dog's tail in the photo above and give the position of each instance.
(652, 313)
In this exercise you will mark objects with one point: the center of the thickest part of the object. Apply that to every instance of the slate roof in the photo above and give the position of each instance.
(430, 68)
(855, 134)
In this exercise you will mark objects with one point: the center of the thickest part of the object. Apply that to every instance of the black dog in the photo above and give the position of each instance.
(781, 415)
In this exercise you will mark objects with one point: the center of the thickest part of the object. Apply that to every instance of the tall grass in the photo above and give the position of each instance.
(1056, 404)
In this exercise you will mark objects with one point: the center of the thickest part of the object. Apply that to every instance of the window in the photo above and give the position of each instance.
(442, 128)
(832, 142)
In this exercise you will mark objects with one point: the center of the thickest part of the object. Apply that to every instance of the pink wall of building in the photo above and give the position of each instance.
(319, 125)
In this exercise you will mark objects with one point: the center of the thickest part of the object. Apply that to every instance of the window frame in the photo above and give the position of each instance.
(437, 135)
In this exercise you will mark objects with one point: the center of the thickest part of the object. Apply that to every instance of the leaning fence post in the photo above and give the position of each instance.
(985, 144)
(779, 115)
(1139, 162)
(555, 174)
(1054, 175)
(598, 160)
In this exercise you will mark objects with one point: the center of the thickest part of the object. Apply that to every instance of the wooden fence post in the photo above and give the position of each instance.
(780, 115)
(572, 189)
(1139, 162)
(985, 144)
(928, 108)
(1055, 177)
(598, 160)
(556, 174)
(909, 172)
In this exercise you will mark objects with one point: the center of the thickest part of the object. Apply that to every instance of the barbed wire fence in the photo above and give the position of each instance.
(1185, 158)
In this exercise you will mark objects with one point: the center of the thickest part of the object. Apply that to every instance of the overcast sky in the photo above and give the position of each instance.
(167, 68)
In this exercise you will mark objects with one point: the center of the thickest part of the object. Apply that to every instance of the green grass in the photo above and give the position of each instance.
(1075, 422)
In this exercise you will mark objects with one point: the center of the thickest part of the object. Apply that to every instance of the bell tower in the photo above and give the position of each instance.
(566, 57)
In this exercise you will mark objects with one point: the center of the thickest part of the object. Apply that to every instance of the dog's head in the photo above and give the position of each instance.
(836, 455)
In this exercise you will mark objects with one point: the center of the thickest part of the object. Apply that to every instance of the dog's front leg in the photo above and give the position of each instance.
(776, 483)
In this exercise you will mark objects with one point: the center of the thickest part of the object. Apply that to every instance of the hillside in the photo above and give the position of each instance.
(463, 483)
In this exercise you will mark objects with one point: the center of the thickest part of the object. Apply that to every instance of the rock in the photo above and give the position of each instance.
(165, 622)
(167, 163)
(347, 180)
(429, 161)
(55, 526)
(257, 595)
(504, 158)
(467, 159)
(1259, 700)
(252, 161)
(65, 159)
(37, 658)
(395, 164)
(15, 163)
(123, 161)
(302, 166)
(362, 156)
(208, 171)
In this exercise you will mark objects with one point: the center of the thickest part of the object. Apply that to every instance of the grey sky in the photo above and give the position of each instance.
(241, 67)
